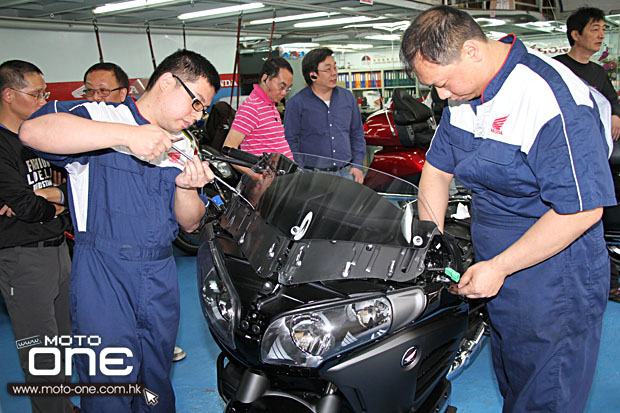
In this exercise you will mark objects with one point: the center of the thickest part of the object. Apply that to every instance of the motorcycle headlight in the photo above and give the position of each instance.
(223, 168)
(219, 302)
(307, 338)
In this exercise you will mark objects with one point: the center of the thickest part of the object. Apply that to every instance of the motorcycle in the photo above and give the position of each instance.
(327, 296)
(399, 136)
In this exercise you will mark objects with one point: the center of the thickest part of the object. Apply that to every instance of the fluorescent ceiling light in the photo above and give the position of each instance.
(134, 4)
(328, 37)
(294, 17)
(383, 37)
(221, 10)
(333, 22)
(489, 22)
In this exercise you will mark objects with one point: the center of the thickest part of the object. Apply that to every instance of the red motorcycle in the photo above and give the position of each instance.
(399, 136)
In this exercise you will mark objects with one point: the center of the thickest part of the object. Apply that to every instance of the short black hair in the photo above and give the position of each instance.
(119, 74)
(580, 19)
(188, 66)
(272, 67)
(311, 61)
(12, 74)
(437, 36)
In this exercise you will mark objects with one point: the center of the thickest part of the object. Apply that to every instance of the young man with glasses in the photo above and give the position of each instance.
(257, 126)
(324, 119)
(131, 190)
(34, 259)
(106, 82)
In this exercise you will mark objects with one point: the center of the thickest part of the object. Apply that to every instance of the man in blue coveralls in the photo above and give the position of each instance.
(531, 141)
(130, 190)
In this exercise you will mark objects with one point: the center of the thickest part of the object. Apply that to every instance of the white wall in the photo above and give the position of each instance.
(64, 56)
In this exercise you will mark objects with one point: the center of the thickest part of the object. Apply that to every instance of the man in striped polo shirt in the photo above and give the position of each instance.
(257, 127)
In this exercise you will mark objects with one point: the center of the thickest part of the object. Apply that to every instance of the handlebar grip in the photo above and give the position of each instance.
(239, 154)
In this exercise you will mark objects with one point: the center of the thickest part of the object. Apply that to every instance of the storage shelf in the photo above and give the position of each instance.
(383, 80)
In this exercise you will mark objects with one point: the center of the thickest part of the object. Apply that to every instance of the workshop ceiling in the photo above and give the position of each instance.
(383, 18)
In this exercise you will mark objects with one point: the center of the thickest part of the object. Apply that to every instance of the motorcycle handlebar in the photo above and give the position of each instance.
(240, 155)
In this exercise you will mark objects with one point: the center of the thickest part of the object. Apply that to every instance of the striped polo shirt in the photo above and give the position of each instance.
(259, 120)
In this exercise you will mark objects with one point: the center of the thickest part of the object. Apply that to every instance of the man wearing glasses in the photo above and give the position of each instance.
(106, 82)
(257, 126)
(130, 192)
(324, 119)
(34, 259)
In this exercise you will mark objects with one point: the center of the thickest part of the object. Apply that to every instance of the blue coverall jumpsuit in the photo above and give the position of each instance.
(123, 283)
(537, 139)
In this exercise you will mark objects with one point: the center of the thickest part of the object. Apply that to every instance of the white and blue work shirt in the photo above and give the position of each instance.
(538, 138)
(114, 195)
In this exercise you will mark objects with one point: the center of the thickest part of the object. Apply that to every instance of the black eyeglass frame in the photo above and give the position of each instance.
(104, 92)
(197, 105)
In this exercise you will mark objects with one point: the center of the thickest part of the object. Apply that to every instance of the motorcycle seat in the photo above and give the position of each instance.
(408, 110)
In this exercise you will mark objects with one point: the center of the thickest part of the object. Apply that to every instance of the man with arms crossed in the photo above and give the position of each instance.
(34, 259)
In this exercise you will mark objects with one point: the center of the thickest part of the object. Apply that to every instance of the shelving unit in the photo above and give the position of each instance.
(385, 81)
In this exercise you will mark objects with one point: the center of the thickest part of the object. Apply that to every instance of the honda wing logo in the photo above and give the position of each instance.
(497, 125)
(410, 358)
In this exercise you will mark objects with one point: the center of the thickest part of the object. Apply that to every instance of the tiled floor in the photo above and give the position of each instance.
(474, 391)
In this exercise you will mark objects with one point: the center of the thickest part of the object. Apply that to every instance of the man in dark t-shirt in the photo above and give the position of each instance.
(34, 259)
(585, 30)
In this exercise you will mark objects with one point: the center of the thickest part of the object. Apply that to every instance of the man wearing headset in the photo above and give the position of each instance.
(324, 120)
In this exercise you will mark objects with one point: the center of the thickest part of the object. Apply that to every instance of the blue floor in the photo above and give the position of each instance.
(474, 391)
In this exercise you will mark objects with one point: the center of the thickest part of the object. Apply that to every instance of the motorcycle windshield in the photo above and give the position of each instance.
(312, 215)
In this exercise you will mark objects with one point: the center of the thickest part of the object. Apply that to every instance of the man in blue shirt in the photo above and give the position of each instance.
(324, 120)
(531, 141)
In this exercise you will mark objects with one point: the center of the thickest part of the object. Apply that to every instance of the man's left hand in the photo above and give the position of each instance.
(615, 127)
(195, 175)
(483, 279)
(358, 176)
(5, 210)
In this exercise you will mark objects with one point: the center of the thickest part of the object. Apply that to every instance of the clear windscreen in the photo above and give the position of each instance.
(315, 205)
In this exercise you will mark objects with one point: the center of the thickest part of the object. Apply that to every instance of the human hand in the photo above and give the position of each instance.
(57, 178)
(483, 279)
(150, 141)
(5, 210)
(51, 194)
(358, 176)
(195, 175)
(59, 209)
(615, 127)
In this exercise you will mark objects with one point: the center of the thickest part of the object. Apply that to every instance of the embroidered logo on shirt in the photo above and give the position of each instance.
(497, 125)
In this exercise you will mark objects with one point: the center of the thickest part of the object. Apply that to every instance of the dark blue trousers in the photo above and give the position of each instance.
(130, 298)
(546, 320)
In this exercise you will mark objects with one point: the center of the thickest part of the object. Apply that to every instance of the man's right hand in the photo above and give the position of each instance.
(150, 141)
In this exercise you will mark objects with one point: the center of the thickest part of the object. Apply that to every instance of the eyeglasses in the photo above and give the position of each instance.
(103, 92)
(330, 70)
(197, 105)
(282, 86)
(37, 96)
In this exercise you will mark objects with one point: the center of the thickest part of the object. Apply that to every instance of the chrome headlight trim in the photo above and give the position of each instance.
(219, 299)
(309, 336)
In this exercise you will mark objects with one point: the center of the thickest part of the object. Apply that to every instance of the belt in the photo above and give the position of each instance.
(332, 169)
(54, 242)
